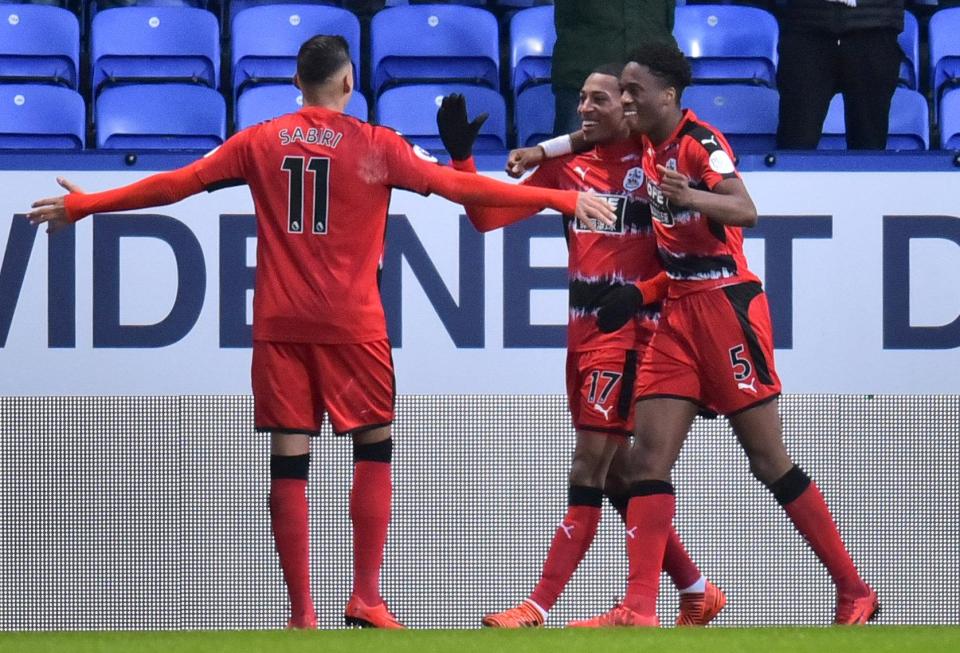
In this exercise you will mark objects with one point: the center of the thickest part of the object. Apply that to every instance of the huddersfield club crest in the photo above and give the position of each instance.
(633, 180)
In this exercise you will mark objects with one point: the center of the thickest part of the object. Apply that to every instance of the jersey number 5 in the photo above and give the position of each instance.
(296, 167)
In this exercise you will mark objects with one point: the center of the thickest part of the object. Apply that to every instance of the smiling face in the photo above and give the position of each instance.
(600, 108)
(648, 101)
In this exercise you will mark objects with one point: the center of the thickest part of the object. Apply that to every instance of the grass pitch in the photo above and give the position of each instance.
(875, 639)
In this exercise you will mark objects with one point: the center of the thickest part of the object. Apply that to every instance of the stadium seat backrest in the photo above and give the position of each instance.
(521, 4)
(469, 3)
(909, 124)
(532, 36)
(834, 126)
(236, 6)
(950, 120)
(746, 114)
(102, 5)
(427, 43)
(151, 43)
(534, 115)
(265, 40)
(909, 121)
(39, 43)
(262, 103)
(728, 43)
(412, 110)
(944, 44)
(909, 41)
(160, 116)
(41, 116)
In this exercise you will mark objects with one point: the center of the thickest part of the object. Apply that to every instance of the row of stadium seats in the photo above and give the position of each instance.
(441, 44)
(724, 42)
(174, 116)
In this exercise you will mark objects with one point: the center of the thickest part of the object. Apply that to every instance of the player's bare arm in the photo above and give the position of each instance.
(728, 202)
(52, 210)
(523, 159)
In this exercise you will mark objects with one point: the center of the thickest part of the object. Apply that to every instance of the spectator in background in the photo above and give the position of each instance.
(594, 32)
(845, 46)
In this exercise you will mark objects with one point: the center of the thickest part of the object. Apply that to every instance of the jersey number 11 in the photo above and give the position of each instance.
(296, 172)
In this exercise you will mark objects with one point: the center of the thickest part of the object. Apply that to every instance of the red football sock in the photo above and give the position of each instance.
(370, 514)
(812, 518)
(291, 534)
(649, 519)
(677, 562)
(570, 544)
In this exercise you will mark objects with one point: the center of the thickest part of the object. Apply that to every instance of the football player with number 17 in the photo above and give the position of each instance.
(713, 348)
(613, 271)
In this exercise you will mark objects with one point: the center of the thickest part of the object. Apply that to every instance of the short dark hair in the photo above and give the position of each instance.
(320, 57)
(612, 69)
(666, 61)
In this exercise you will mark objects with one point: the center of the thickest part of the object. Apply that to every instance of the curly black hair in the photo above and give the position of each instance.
(666, 61)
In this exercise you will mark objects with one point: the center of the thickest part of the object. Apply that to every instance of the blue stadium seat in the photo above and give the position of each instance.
(41, 116)
(944, 44)
(728, 43)
(236, 6)
(155, 43)
(265, 102)
(909, 127)
(534, 115)
(950, 120)
(439, 43)
(469, 3)
(266, 40)
(412, 110)
(40, 44)
(523, 4)
(95, 6)
(746, 114)
(160, 116)
(909, 40)
(532, 36)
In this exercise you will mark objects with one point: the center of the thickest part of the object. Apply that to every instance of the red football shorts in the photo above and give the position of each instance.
(294, 384)
(714, 348)
(600, 389)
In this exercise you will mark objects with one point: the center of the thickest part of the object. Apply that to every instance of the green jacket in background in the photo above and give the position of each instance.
(594, 32)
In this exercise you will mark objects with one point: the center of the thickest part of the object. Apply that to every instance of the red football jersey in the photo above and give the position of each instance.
(697, 253)
(623, 253)
(321, 183)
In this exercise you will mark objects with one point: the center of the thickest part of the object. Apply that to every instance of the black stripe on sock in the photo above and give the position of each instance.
(377, 452)
(619, 503)
(649, 487)
(296, 467)
(581, 495)
(790, 486)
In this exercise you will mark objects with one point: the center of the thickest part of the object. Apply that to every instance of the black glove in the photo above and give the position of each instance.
(456, 133)
(617, 307)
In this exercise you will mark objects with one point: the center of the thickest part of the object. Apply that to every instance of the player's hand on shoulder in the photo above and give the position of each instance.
(52, 210)
(522, 159)
(675, 186)
(456, 131)
(591, 208)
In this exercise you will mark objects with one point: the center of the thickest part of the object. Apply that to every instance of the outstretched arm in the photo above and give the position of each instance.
(156, 190)
(486, 218)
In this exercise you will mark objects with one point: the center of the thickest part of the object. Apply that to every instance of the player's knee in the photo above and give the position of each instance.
(587, 471)
(616, 485)
(767, 466)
